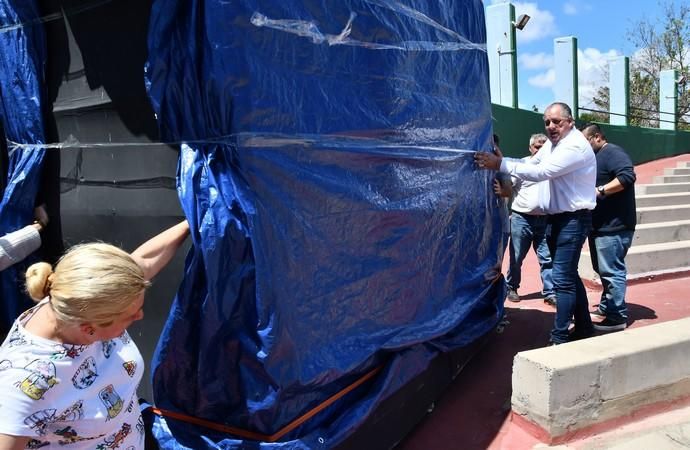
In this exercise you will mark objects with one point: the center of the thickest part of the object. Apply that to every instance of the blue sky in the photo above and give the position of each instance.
(601, 28)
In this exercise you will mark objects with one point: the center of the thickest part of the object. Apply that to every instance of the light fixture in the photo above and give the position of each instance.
(682, 80)
(521, 21)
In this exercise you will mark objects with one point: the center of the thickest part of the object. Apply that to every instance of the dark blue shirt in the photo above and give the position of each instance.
(615, 212)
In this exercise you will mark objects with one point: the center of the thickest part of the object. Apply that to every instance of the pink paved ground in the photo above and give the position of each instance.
(474, 413)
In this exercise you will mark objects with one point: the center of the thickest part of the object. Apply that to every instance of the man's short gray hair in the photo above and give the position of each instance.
(566, 112)
(537, 137)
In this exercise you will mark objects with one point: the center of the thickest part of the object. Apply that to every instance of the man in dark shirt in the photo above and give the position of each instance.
(613, 226)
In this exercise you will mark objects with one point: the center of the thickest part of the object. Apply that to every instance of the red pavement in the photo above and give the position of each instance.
(474, 413)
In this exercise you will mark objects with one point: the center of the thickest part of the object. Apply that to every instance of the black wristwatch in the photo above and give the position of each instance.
(601, 190)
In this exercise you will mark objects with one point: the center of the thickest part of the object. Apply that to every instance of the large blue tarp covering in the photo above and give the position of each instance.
(338, 220)
(22, 58)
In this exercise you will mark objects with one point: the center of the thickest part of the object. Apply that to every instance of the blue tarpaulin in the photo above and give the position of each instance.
(22, 58)
(339, 222)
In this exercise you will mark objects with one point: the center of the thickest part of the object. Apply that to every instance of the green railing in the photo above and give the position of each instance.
(515, 126)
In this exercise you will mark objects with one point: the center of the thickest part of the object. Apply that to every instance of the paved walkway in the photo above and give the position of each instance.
(474, 412)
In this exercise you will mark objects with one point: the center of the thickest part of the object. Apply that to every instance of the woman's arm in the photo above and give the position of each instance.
(154, 254)
(8, 442)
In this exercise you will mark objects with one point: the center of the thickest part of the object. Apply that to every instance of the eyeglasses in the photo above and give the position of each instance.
(556, 122)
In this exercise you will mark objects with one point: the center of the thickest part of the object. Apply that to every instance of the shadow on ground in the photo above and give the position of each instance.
(471, 412)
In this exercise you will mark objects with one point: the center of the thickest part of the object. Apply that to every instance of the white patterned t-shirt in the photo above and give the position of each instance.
(70, 396)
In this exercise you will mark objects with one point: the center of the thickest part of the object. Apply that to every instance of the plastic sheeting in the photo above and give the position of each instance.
(22, 58)
(339, 222)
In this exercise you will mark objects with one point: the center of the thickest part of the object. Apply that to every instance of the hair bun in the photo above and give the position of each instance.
(38, 280)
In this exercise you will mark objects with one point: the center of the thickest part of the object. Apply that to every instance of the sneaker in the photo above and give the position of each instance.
(598, 313)
(578, 334)
(610, 325)
(513, 295)
(550, 300)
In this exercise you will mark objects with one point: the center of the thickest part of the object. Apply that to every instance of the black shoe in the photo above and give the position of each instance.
(610, 325)
(513, 295)
(553, 343)
(550, 300)
(598, 313)
(578, 334)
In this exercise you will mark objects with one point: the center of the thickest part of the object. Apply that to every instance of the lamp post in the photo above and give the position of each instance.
(502, 53)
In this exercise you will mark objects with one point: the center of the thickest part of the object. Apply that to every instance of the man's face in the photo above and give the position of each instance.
(594, 139)
(555, 124)
(534, 148)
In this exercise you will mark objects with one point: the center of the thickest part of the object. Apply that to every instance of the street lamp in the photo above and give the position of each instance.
(521, 22)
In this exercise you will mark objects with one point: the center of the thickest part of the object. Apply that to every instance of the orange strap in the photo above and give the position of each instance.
(265, 437)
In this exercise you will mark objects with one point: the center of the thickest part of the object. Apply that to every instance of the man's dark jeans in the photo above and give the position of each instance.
(565, 234)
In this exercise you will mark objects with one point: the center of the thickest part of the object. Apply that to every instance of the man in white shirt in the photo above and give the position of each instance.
(568, 162)
(527, 229)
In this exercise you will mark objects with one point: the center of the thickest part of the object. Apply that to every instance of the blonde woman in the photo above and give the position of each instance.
(68, 369)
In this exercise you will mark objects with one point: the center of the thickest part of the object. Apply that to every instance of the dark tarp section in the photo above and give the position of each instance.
(339, 223)
(22, 58)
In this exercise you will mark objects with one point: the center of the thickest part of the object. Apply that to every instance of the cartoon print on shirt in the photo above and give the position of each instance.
(112, 400)
(16, 338)
(130, 367)
(70, 436)
(108, 347)
(41, 379)
(40, 420)
(114, 440)
(69, 351)
(5, 364)
(140, 426)
(86, 374)
(34, 443)
(74, 412)
(124, 337)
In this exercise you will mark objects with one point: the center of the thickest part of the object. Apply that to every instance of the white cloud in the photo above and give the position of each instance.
(542, 23)
(535, 61)
(592, 66)
(570, 9)
(543, 80)
(592, 72)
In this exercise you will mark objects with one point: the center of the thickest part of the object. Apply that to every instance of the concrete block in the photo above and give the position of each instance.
(653, 214)
(573, 386)
(671, 179)
(670, 198)
(661, 188)
(656, 233)
(677, 171)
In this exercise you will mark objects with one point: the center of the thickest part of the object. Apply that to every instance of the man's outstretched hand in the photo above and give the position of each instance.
(489, 160)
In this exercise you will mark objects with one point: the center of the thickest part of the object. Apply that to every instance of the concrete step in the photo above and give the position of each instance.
(661, 188)
(677, 171)
(671, 179)
(655, 233)
(645, 260)
(654, 214)
(683, 164)
(671, 198)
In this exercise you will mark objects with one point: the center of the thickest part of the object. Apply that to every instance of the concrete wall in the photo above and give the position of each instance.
(582, 384)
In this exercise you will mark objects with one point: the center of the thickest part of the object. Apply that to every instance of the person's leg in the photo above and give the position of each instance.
(611, 251)
(566, 234)
(541, 248)
(595, 266)
(520, 237)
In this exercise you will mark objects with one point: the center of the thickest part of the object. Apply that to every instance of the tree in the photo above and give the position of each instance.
(663, 43)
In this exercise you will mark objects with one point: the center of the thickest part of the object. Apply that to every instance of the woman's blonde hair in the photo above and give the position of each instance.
(91, 283)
